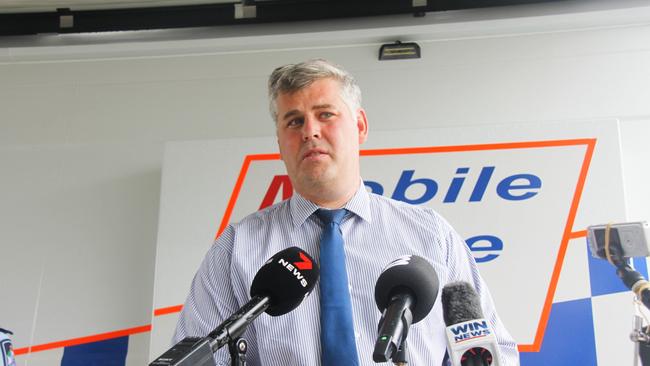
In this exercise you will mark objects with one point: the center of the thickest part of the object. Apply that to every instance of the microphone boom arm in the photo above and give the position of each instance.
(235, 326)
(392, 334)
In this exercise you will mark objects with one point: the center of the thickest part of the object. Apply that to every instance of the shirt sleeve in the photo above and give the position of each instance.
(211, 298)
(462, 267)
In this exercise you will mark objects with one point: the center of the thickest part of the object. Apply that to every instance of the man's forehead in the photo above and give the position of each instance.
(316, 93)
(310, 84)
(317, 88)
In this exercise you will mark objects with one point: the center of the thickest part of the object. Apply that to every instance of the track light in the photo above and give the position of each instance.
(399, 51)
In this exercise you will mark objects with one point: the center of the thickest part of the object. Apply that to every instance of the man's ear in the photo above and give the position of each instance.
(277, 140)
(362, 125)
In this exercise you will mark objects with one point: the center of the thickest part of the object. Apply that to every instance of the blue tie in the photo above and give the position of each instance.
(337, 329)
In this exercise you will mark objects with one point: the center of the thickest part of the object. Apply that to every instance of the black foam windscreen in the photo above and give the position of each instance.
(286, 278)
(409, 274)
(460, 303)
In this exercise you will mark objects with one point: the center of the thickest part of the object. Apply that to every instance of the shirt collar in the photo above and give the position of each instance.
(359, 204)
(301, 208)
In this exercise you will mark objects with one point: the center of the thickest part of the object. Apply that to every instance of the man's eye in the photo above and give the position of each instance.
(326, 115)
(296, 122)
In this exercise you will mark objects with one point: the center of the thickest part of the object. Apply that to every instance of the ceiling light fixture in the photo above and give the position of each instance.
(399, 51)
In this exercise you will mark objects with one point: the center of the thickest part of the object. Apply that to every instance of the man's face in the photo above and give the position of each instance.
(319, 139)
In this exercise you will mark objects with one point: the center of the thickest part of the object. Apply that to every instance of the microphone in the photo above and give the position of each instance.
(470, 340)
(282, 283)
(405, 293)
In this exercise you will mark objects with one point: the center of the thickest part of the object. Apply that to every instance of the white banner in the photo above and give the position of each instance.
(514, 194)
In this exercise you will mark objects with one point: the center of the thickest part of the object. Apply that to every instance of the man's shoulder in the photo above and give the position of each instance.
(266, 215)
(400, 211)
(386, 203)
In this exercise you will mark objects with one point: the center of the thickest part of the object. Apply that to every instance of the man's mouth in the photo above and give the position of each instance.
(314, 154)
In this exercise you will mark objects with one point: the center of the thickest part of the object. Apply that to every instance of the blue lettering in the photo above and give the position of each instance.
(375, 187)
(470, 329)
(516, 187)
(478, 325)
(459, 329)
(406, 181)
(507, 185)
(481, 184)
(485, 243)
(455, 186)
(460, 338)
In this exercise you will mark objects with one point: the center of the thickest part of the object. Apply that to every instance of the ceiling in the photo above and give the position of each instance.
(228, 36)
(24, 6)
(29, 17)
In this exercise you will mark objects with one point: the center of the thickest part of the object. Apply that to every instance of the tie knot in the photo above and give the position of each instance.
(331, 216)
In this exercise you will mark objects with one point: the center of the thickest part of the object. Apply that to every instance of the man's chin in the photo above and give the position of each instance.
(316, 179)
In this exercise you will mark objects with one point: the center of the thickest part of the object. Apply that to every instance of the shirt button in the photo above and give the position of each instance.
(357, 335)
(349, 287)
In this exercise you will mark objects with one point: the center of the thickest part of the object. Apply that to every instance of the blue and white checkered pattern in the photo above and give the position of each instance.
(593, 329)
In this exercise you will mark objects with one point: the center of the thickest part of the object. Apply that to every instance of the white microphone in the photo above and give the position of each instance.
(470, 338)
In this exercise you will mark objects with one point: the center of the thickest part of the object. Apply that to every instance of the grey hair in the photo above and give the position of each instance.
(294, 77)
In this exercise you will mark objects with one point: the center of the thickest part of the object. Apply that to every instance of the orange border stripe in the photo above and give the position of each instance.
(240, 181)
(234, 195)
(168, 310)
(477, 147)
(83, 340)
(578, 234)
(590, 143)
(543, 322)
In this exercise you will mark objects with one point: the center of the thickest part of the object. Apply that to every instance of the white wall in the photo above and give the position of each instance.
(635, 135)
(83, 120)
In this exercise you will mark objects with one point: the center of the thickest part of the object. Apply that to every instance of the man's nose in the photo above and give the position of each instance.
(310, 128)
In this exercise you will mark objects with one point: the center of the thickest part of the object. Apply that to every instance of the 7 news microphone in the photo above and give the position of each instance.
(405, 293)
(282, 283)
(470, 339)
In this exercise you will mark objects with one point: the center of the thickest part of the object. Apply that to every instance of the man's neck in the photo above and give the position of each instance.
(330, 200)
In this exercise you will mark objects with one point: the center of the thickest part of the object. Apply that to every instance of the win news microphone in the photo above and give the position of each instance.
(405, 293)
(278, 287)
(470, 339)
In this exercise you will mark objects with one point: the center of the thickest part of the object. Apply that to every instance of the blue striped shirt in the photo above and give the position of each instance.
(378, 231)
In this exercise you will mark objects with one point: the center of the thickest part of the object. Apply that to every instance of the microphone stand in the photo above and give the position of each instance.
(634, 280)
(640, 335)
(238, 348)
(399, 359)
(641, 341)
(196, 351)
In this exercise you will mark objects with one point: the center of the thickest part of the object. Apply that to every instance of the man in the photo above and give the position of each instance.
(320, 126)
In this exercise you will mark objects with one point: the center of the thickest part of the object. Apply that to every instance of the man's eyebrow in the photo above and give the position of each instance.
(295, 112)
(323, 106)
(291, 113)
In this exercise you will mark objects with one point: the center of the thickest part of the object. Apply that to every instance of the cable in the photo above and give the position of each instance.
(608, 253)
